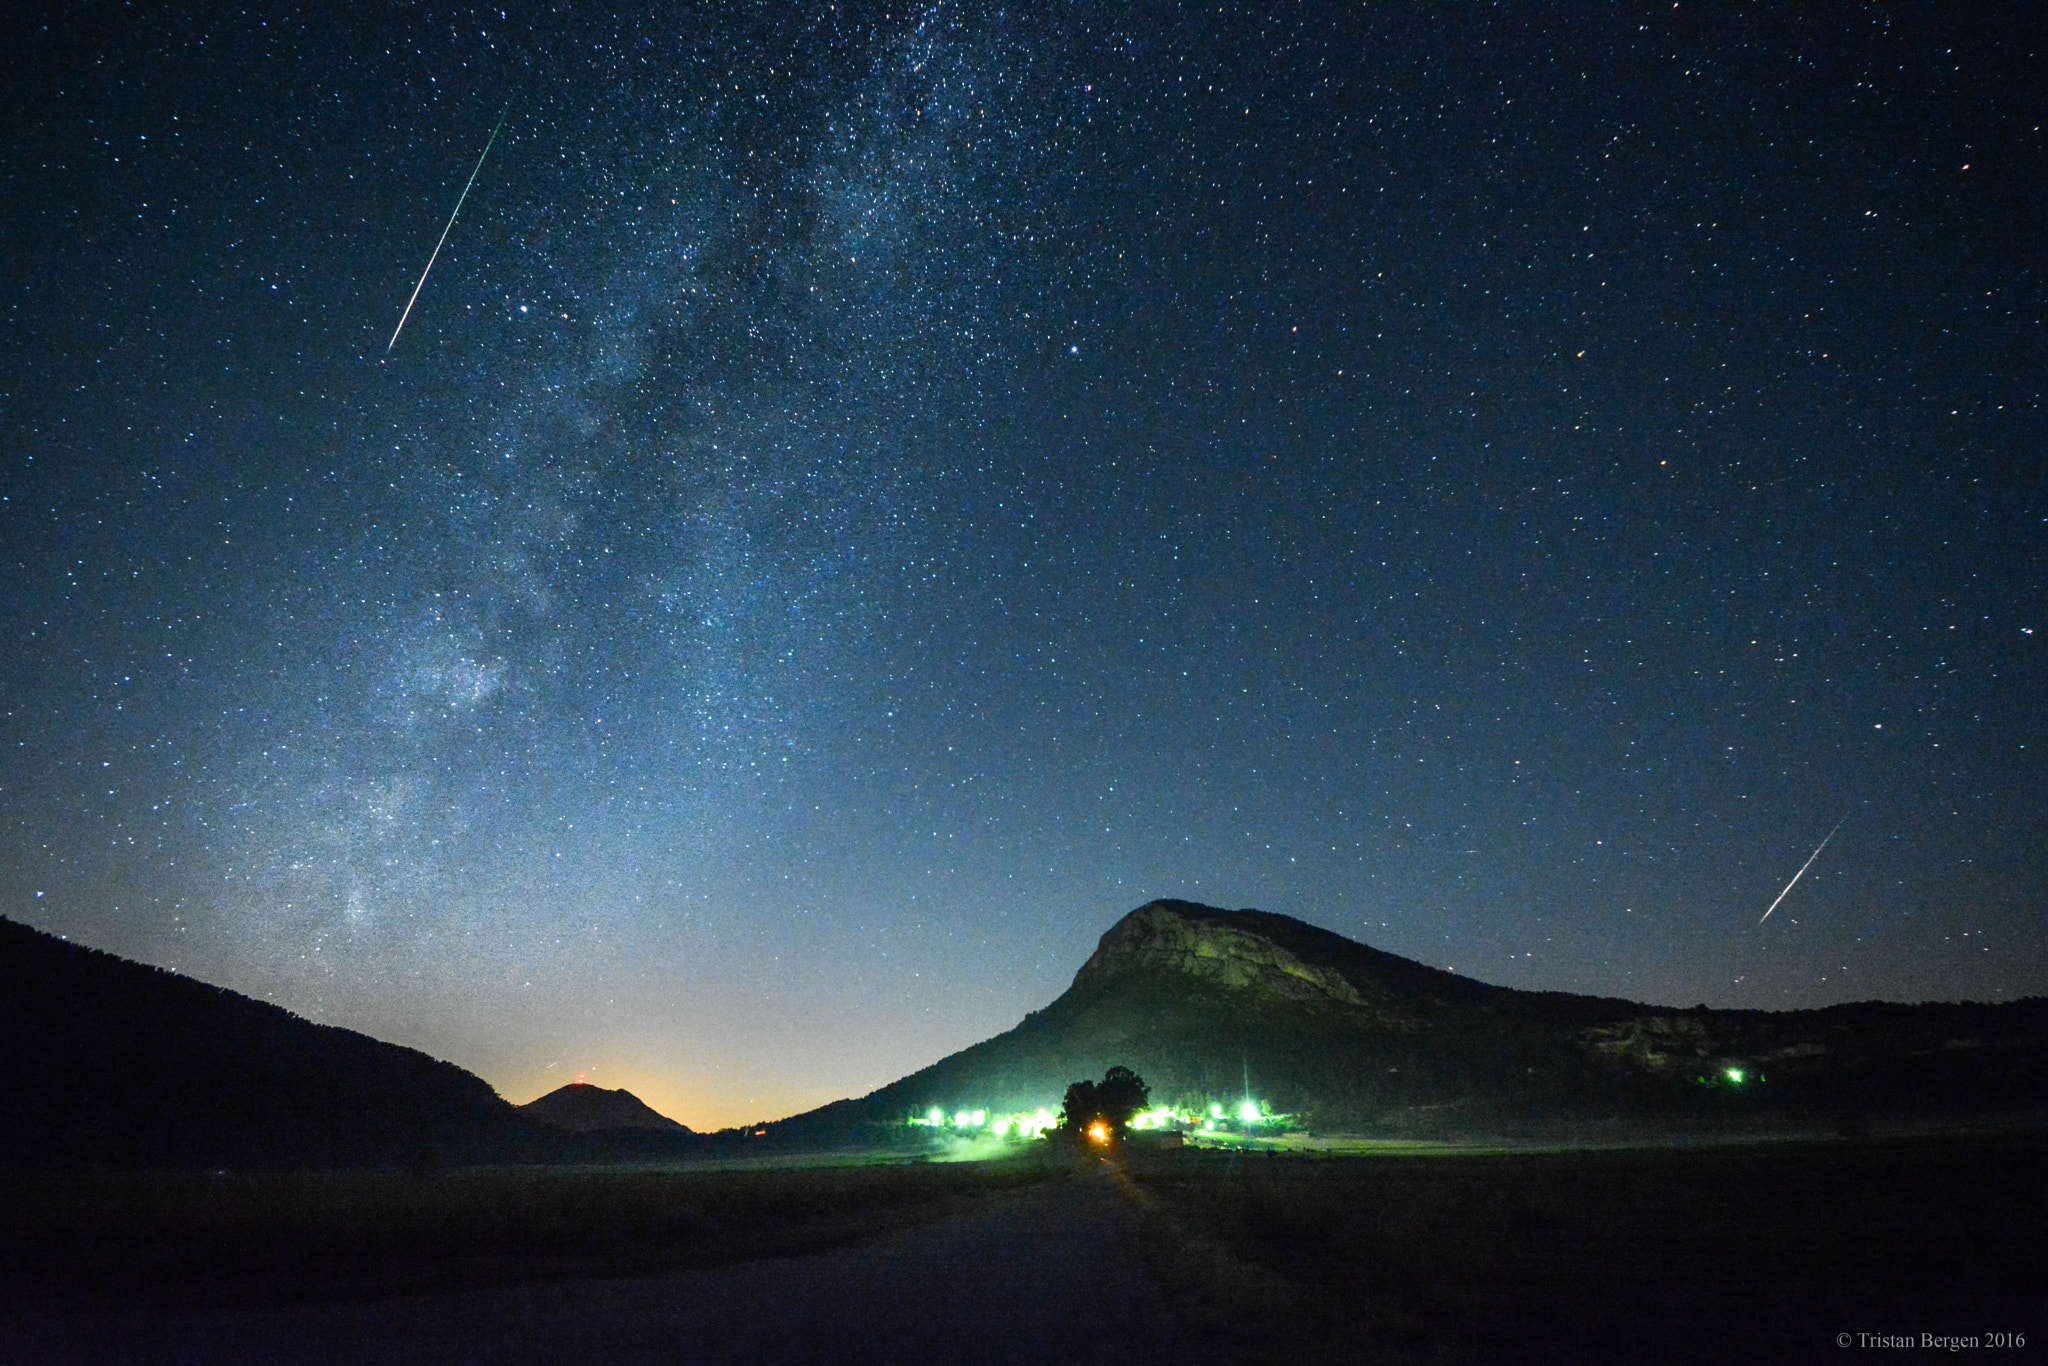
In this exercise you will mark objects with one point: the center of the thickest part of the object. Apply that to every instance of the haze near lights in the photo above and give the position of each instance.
(1019, 1126)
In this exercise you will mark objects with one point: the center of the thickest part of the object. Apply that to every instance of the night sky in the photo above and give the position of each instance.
(865, 497)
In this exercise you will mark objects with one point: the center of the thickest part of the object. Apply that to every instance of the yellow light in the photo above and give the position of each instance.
(1099, 1132)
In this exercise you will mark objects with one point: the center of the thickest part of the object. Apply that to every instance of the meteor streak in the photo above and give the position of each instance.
(445, 231)
(1804, 866)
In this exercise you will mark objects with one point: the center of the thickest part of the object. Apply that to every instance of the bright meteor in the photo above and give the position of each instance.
(1804, 866)
(446, 230)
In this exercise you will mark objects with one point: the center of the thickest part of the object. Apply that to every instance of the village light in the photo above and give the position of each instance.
(1248, 1112)
(1098, 1132)
(1734, 1075)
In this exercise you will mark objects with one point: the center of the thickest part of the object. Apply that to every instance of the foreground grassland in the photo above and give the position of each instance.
(1753, 1253)
(279, 1238)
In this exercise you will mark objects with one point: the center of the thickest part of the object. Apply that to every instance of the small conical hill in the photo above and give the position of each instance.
(582, 1108)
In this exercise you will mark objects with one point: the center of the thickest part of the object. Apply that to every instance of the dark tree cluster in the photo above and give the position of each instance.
(1100, 1112)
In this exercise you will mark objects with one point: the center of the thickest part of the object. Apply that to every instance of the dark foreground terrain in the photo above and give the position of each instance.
(1754, 1253)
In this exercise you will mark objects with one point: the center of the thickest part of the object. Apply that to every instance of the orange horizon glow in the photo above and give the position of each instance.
(689, 1102)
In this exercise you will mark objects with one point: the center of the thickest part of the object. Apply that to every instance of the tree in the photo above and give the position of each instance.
(1100, 1113)
(1079, 1109)
(1121, 1096)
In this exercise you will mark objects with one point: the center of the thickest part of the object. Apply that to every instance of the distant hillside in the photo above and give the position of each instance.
(1205, 1002)
(582, 1109)
(123, 1065)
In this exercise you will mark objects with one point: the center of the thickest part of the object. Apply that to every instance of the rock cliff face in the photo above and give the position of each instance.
(1181, 937)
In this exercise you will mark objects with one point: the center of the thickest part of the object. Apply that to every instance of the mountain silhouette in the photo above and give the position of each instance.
(1207, 1004)
(135, 1067)
(582, 1108)
(124, 1065)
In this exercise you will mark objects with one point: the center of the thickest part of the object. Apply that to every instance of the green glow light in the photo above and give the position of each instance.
(1734, 1075)
(1011, 1126)
(1248, 1112)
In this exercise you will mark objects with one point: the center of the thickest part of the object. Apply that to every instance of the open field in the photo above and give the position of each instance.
(282, 1237)
(1752, 1252)
(1756, 1252)
(1042, 1271)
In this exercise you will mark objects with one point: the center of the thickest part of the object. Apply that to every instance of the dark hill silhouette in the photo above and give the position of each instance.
(582, 1108)
(122, 1065)
(1350, 1038)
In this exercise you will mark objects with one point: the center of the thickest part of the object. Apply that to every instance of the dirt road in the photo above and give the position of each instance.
(1045, 1274)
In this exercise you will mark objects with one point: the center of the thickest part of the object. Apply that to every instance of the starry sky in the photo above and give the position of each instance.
(868, 495)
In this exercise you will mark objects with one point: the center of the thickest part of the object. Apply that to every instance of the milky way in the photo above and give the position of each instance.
(868, 496)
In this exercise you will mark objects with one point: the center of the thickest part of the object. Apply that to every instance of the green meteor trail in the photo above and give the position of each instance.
(474, 171)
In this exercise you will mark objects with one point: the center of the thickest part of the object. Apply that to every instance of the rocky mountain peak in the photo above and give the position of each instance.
(1227, 948)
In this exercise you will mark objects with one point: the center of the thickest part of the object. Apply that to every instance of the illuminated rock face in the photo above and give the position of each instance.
(1180, 937)
(1656, 1043)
